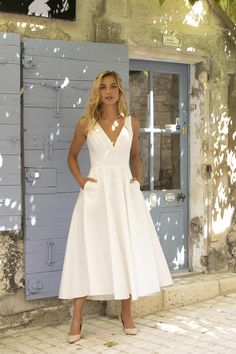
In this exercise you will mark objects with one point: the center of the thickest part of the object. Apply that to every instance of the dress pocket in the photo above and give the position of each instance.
(135, 183)
(90, 186)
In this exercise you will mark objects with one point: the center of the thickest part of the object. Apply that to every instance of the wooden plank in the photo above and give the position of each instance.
(9, 114)
(10, 222)
(45, 285)
(41, 93)
(65, 182)
(33, 158)
(10, 139)
(9, 54)
(45, 229)
(9, 39)
(49, 181)
(58, 205)
(9, 100)
(59, 136)
(10, 203)
(10, 178)
(44, 255)
(42, 122)
(76, 50)
(10, 78)
(37, 179)
(10, 168)
(51, 68)
(51, 212)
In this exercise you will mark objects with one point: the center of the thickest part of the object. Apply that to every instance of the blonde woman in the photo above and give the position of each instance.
(112, 251)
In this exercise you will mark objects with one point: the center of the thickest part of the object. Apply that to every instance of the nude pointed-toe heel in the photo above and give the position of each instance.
(129, 331)
(72, 338)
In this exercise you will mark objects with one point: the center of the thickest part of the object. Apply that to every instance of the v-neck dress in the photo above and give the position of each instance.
(112, 250)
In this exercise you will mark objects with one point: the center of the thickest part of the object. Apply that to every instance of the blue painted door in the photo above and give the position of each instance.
(159, 98)
(10, 103)
(57, 78)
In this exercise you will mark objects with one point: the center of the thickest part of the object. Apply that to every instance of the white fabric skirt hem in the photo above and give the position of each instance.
(105, 297)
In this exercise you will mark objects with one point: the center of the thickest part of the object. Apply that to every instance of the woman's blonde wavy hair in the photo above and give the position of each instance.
(94, 106)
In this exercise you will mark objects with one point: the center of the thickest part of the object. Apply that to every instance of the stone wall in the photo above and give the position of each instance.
(211, 130)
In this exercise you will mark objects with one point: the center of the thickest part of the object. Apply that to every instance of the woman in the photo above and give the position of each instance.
(113, 251)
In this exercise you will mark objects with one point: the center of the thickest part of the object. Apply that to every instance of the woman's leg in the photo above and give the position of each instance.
(126, 315)
(77, 315)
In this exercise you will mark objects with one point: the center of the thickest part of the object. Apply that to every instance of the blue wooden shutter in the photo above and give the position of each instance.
(58, 77)
(10, 181)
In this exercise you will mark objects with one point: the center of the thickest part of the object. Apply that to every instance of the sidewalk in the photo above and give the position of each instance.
(207, 327)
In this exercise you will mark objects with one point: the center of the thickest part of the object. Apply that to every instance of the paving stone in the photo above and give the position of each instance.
(208, 328)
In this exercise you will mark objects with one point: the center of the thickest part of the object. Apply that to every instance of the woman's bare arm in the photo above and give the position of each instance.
(135, 163)
(78, 141)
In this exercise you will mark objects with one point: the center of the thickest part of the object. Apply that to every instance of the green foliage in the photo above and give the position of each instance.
(192, 2)
(110, 344)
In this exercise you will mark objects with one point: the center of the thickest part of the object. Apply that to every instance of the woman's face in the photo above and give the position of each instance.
(109, 91)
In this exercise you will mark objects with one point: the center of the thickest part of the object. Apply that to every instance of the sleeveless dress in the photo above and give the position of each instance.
(112, 249)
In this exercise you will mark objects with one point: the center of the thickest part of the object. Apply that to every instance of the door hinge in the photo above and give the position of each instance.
(31, 174)
(27, 61)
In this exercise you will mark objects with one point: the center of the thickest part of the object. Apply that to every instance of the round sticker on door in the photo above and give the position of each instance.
(169, 197)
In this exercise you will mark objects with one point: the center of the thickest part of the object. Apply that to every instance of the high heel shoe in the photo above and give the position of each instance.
(129, 331)
(72, 338)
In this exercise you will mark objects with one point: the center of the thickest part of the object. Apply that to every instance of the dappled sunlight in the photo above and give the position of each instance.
(32, 26)
(231, 162)
(196, 14)
(167, 327)
(179, 260)
(206, 324)
(222, 218)
(223, 157)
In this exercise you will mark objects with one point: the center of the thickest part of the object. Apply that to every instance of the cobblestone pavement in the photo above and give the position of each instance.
(202, 328)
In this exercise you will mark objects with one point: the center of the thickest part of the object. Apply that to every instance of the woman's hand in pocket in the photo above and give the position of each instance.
(85, 180)
(133, 179)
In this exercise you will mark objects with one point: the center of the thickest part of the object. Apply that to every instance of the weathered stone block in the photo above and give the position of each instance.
(190, 293)
(218, 258)
(227, 285)
(16, 311)
(141, 307)
(108, 32)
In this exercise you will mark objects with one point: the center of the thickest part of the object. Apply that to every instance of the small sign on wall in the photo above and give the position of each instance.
(61, 9)
(172, 38)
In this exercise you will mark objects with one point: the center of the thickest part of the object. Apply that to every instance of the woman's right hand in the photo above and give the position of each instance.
(84, 180)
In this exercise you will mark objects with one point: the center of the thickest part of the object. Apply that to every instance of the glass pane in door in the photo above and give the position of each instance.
(166, 99)
(144, 143)
(138, 96)
(167, 161)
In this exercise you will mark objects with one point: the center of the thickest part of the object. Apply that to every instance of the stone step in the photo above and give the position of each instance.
(188, 288)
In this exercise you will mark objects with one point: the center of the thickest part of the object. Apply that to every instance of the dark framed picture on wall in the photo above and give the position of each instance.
(61, 9)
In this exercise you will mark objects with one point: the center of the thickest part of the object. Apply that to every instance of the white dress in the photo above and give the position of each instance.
(112, 250)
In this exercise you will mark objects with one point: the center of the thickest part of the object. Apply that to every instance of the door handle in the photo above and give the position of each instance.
(180, 197)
